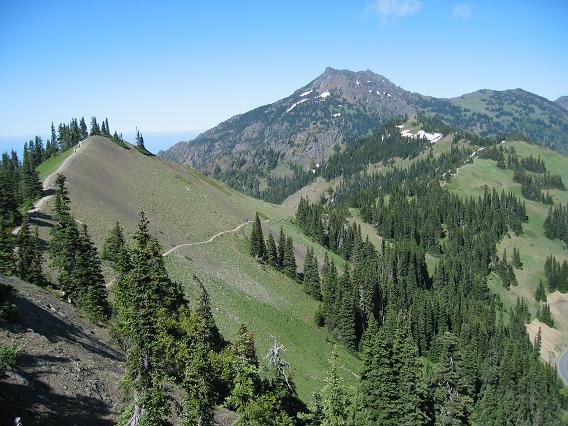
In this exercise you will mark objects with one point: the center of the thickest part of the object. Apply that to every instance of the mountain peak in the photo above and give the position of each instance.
(562, 101)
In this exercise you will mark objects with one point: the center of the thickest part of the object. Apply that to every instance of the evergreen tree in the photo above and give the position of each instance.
(212, 336)
(54, 142)
(83, 133)
(378, 394)
(140, 141)
(28, 256)
(9, 212)
(91, 297)
(31, 185)
(411, 389)
(544, 315)
(116, 251)
(271, 252)
(257, 247)
(7, 261)
(95, 129)
(335, 402)
(311, 275)
(144, 299)
(452, 404)
(540, 294)
(516, 260)
(281, 245)
(289, 259)
(76, 258)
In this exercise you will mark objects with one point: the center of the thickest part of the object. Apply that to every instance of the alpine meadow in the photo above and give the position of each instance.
(203, 223)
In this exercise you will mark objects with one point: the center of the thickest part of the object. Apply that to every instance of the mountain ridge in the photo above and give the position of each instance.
(562, 101)
(341, 104)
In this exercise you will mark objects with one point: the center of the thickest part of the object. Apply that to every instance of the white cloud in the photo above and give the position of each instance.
(394, 8)
(462, 11)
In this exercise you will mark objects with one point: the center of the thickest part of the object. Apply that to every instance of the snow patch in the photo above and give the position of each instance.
(368, 81)
(294, 105)
(306, 93)
(324, 95)
(337, 114)
(400, 126)
(432, 137)
(357, 82)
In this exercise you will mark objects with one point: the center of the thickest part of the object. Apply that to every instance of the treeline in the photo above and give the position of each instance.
(382, 145)
(530, 172)
(279, 255)
(556, 223)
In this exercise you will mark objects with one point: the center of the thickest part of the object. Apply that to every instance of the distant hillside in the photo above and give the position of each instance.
(339, 105)
(562, 101)
(491, 112)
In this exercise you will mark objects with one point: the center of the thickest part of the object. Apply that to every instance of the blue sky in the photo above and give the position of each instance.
(180, 67)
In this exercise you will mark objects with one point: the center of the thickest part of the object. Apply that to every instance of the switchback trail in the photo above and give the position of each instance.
(212, 238)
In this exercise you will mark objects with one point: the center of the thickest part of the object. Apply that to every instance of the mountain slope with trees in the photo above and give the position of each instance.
(264, 147)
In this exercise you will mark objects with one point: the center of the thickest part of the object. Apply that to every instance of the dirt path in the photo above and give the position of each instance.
(212, 238)
(48, 182)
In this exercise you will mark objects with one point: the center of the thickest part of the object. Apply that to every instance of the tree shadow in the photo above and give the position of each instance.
(36, 404)
(47, 324)
(24, 391)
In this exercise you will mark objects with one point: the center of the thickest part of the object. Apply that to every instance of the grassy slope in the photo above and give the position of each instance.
(533, 245)
(108, 183)
(49, 166)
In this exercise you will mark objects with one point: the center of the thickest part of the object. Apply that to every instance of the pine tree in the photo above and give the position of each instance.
(281, 245)
(95, 129)
(411, 389)
(452, 404)
(113, 243)
(257, 247)
(140, 141)
(311, 275)
(540, 294)
(271, 252)
(516, 259)
(289, 259)
(65, 241)
(212, 336)
(7, 261)
(335, 402)
(54, 142)
(90, 284)
(144, 299)
(31, 185)
(544, 315)
(378, 393)
(28, 256)
(83, 134)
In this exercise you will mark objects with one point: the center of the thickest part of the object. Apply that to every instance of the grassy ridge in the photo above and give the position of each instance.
(107, 183)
